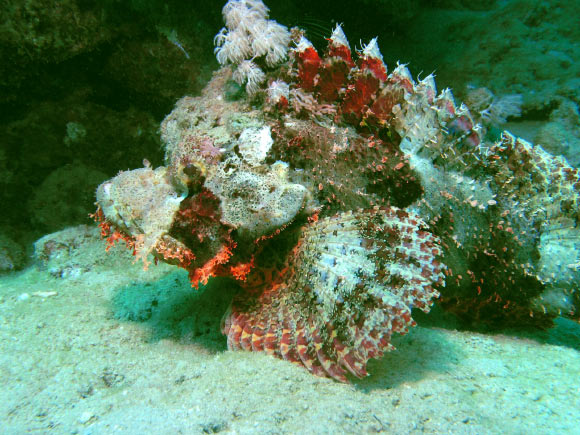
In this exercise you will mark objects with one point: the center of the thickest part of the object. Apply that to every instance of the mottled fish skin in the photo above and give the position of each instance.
(349, 283)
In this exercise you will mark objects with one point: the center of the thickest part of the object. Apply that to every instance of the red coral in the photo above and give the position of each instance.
(365, 95)
(198, 226)
(375, 66)
(371, 60)
(341, 51)
(338, 47)
(381, 110)
(335, 68)
(308, 64)
(240, 271)
(333, 78)
(361, 91)
(360, 94)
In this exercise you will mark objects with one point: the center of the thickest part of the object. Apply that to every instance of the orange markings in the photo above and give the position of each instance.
(241, 270)
(314, 218)
(202, 274)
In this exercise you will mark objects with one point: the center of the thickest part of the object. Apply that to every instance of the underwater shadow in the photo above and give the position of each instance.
(564, 332)
(171, 308)
(418, 354)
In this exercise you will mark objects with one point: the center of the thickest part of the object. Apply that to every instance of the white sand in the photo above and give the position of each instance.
(70, 365)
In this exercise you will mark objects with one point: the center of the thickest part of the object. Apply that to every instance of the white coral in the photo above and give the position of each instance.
(254, 144)
(277, 90)
(270, 39)
(240, 13)
(372, 50)
(248, 72)
(232, 47)
(248, 35)
(338, 37)
(505, 107)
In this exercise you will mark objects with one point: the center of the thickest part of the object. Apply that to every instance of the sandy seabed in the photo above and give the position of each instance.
(93, 344)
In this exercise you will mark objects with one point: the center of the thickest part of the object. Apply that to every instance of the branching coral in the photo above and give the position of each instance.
(248, 37)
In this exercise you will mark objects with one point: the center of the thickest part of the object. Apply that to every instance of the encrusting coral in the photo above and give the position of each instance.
(340, 197)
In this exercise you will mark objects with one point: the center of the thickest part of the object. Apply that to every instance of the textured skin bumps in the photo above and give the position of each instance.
(337, 133)
(348, 284)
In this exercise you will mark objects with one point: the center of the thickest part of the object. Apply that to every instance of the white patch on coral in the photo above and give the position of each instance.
(303, 45)
(254, 144)
(278, 89)
(280, 169)
(372, 50)
(338, 37)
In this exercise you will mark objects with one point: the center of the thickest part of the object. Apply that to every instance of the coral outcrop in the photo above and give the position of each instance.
(340, 196)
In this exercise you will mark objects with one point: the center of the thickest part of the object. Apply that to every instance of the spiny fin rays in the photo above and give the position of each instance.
(330, 315)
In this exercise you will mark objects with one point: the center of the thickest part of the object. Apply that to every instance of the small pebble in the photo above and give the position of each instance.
(44, 294)
(86, 417)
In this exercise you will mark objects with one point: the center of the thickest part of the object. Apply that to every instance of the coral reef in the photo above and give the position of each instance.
(65, 197)
(58, 253)
(340, 195)
(55, 157)
(531, 55)
(561, 135)
(86, 84)
(12, 255)
(53, 33)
